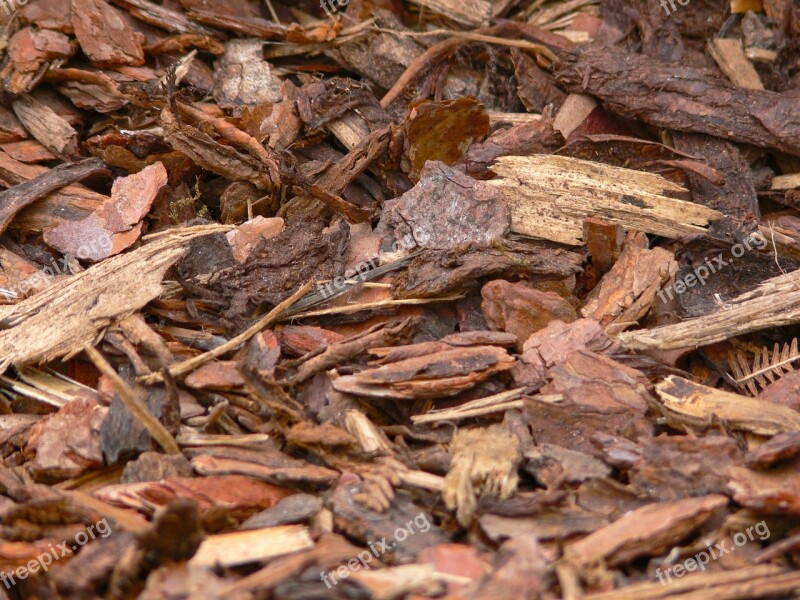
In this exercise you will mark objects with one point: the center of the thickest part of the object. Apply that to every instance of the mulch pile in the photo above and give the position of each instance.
(400, 299)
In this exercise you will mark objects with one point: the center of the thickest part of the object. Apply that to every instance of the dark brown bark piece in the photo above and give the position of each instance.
(683, 98)
(124, 435)
(436, 272)
(18, 197)
(292, 509)
(152, 466)
(536, 137)
(535, 88)
(736, 194)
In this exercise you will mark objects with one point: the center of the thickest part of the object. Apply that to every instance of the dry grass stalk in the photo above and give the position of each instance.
(475, 408)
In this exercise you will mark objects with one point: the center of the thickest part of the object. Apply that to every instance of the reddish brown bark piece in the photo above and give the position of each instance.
(48, 14)
(551, 345)
(53, 131)
(117, 224)
(645, 531)
(777, 490)
(782, 447)
(28, 52)
(240, 495)
(591, 379)
(683, 98)
(216, 375)
(522, 310)
(298, 340)
(282, 472)
(629, 289)
(520, 568)
(785, 391)
(68, 442)
(105, 37)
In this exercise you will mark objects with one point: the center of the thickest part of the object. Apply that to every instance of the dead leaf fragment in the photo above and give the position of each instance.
(442, 131)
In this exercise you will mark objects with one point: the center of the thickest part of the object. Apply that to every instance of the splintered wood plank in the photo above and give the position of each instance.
(550, 196)
(741, 412)
(242, 547)
(68, 315)
(729, 55)
(776, 302)
(785, 182)
(710, 585)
